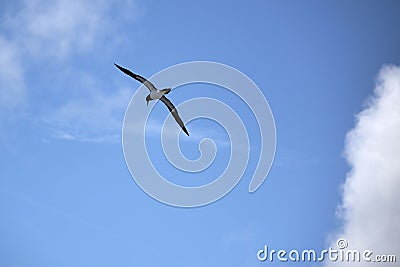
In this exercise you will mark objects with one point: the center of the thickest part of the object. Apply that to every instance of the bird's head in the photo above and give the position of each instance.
(148, 99)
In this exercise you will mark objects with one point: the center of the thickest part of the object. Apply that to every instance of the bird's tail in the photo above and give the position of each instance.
(166, 90)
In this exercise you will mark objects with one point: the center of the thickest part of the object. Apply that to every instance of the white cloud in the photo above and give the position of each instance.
(370, 210)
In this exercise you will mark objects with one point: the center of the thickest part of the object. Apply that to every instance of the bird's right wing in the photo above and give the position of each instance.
(174, 113)
(139, 78)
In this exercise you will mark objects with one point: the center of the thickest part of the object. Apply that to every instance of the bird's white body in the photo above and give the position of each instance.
(156, 94)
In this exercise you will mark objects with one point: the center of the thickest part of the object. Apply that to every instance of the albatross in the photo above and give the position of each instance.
(156, 94)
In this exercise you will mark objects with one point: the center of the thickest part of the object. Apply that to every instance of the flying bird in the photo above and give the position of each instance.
(156, 94)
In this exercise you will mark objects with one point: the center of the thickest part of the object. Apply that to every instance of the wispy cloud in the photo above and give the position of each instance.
(12, 84)
(33, 32)
(61, 27)
(370, 209)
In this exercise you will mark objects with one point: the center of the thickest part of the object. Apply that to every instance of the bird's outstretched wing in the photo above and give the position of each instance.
(174, 112)
(139, 78)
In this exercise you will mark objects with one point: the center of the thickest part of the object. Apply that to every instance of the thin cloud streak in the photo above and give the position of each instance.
(98, 119)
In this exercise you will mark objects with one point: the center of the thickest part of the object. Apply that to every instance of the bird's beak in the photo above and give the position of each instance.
(147, 102)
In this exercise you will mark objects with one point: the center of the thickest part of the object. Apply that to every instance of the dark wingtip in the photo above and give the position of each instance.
(186, 131)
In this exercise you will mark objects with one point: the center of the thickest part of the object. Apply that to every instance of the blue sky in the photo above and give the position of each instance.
(66, 195)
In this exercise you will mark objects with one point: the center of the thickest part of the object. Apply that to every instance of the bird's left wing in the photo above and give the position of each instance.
(137, 77)
(174, 112)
